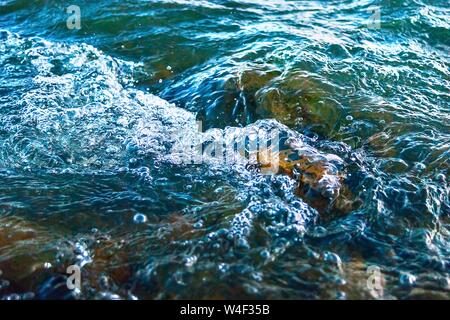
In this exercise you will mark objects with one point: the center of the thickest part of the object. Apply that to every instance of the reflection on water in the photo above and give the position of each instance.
(88, 119)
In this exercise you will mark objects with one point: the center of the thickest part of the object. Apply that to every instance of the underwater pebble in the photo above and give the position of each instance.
(140, 218)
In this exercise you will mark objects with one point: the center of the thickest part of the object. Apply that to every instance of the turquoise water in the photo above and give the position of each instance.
(88, 117)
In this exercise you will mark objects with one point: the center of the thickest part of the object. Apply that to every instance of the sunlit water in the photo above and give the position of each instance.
(88, 118)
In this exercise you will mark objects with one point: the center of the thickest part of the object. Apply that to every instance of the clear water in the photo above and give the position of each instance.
(87, 120)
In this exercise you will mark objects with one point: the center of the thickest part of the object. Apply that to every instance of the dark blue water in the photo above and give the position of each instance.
(88, 118)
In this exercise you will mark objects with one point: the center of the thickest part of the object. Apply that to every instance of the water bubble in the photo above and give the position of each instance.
(313, 254)
(420, 166)
(190, 261)
(28, 296)
(131, 147)
(445, 283)
(339, 281)
(341, 295)
(319, 232)
(407, 279)
(4, 284)
(437, 263)
(133, 161)
(132, 296)
(265, 254)
(123, 121)
(103, 282)
(242, 243)
(13, 296)
(144, 170)
(108, 296)
(251, 289)
(332, 258)
(169, 68)
(223, 267)
(198, 225)
(140, 218)
(160, 81)
(349, 118)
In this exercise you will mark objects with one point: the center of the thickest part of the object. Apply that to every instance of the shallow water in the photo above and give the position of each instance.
(88, 118)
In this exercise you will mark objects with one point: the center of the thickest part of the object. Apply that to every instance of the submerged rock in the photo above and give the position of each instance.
(296, 99)
(25, 252)
(320, 176)
(34, 258)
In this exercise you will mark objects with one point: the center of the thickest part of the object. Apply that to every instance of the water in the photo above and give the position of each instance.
(88, 118)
